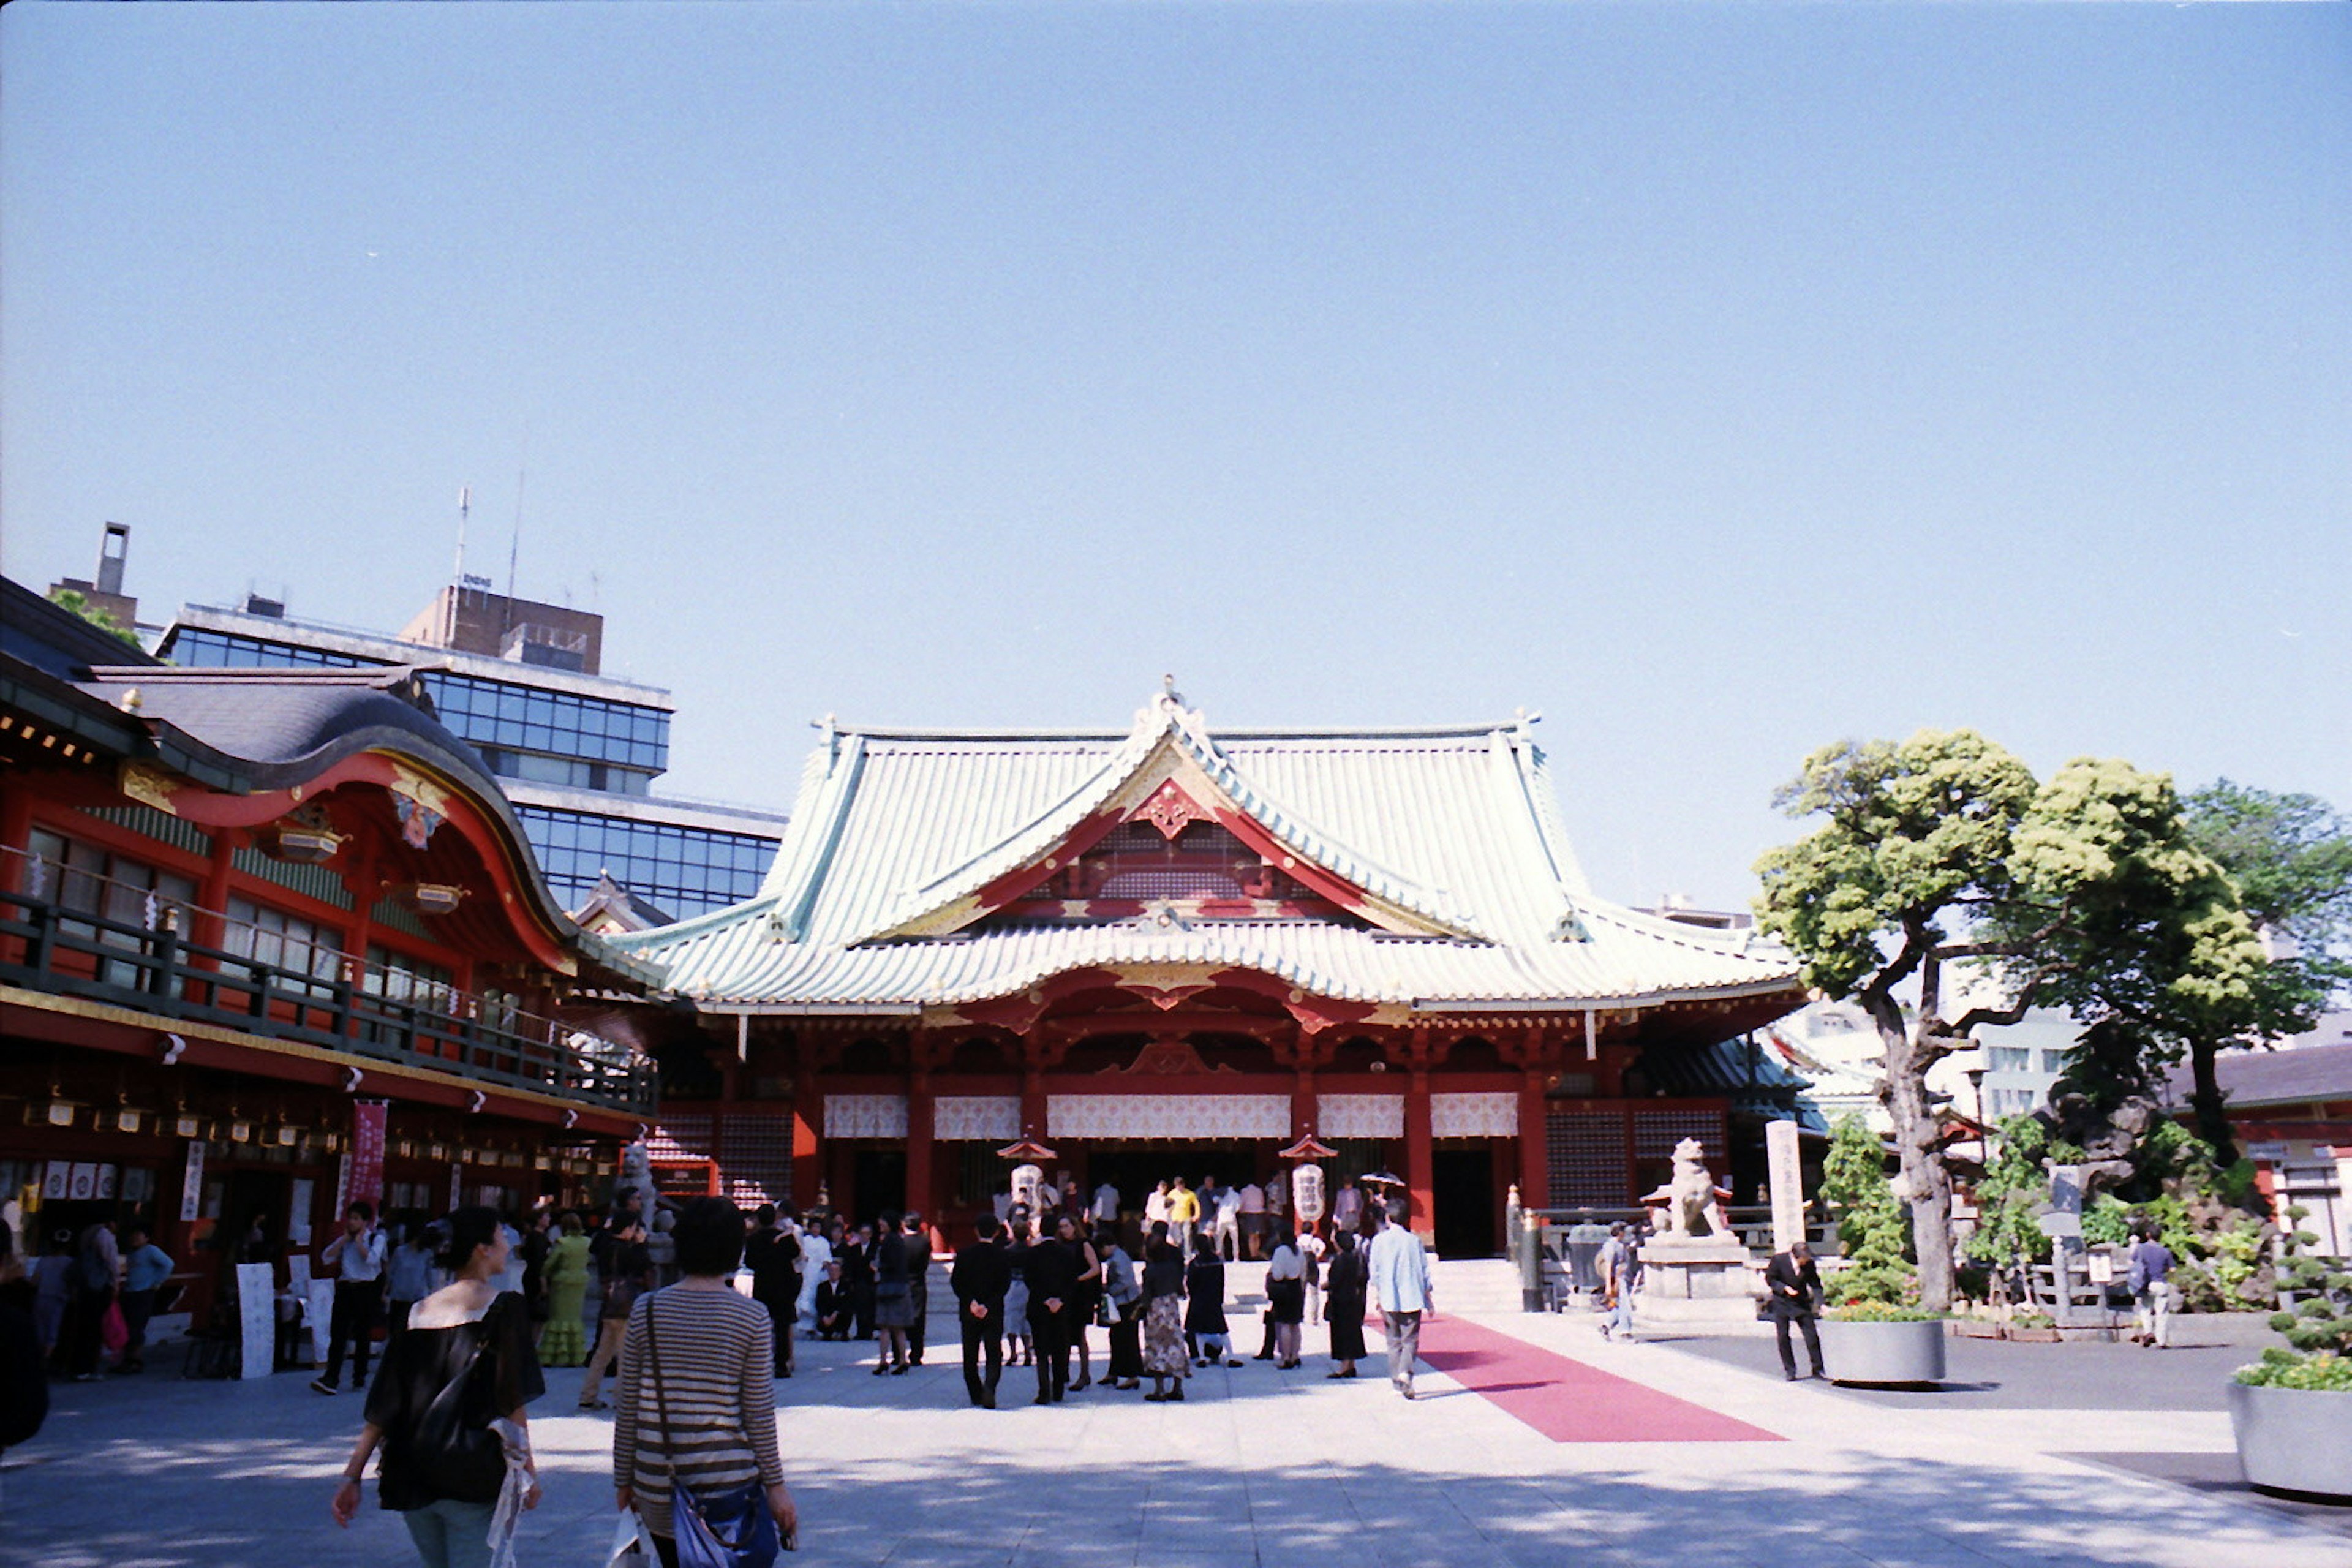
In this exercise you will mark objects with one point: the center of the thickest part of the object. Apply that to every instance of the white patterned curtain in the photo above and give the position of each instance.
(1167, 1116)
(1486, 1114)
(976, 1118)
(866, 1116)
(1360, 1116)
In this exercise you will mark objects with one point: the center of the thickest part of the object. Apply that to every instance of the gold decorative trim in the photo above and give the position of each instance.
(423, 791)
(148, 785)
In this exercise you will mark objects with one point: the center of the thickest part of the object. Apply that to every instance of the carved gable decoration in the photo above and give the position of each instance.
(1170, 809)
(1167, 1057)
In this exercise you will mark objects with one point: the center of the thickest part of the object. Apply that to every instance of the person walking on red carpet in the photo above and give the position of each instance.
(1399, 1277)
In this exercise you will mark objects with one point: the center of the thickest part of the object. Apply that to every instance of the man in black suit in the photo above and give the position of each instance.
(772, 1254)
(1052, 1272)
(979, 1276)
(1794, 1285)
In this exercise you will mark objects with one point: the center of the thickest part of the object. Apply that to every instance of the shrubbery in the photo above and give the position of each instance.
(1882, 1313)
(1872, 1231)
(2325, 1373)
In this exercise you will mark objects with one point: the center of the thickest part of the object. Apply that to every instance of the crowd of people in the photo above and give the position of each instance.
(1029, 1289)
(89, 1298)
(691, 1310)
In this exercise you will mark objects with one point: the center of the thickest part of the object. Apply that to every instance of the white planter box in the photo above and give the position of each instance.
(1884, 1353)
(2293, 1440)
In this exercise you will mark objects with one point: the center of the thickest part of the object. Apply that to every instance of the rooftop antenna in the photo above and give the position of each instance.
(465, 506)
(514, 550)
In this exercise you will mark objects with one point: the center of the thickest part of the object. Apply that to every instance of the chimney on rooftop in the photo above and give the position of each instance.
(105, 591)
(113, 550)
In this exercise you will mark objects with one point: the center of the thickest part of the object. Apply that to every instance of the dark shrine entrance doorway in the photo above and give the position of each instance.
(878, 1183)
(1463, 1184)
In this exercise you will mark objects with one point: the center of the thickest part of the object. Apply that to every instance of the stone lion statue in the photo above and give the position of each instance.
(636, 1176)
(1691, 1196)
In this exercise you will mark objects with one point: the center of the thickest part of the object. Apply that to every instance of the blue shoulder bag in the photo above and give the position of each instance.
(729, 1529)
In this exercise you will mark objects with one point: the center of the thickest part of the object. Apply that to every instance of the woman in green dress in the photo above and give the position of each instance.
(563, 1343)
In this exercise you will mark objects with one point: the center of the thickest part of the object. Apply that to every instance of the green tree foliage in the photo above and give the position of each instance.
(2290, 860)
(2321, 1321)
(75, 600)
(1871, 1232)
(2014, 1193)
(1944, 849)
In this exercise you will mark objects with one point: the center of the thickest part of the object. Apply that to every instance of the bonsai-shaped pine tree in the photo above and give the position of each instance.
(2322, 1322)
(1871, 1228)
(2320, 1326)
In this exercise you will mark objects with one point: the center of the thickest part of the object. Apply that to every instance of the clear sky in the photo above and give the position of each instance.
(1719, 381)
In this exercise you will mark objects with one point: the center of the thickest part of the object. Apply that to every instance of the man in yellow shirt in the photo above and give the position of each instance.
(1183, 1216)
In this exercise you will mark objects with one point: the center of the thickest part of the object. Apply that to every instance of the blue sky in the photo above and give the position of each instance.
(1719, 381)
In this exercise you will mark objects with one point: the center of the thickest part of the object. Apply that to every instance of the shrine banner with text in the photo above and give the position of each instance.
(367, 1153)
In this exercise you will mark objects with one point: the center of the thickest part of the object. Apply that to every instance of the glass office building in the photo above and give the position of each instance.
(577, 753)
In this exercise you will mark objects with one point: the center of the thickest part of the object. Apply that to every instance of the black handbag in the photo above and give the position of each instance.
(453, 1455)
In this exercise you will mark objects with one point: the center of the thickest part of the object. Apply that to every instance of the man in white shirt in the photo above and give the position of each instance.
(1106, 1204)
(1252, 1206)
(1227, 1235)
(357, 1256)
(1399, 1277)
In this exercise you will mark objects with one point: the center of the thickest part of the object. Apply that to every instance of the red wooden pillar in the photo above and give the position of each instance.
(1419, 1161)
(1303, 1108)
(1535, 1178)
(920, 1146)
(808, 1124)
(15, 822)
(212, 899)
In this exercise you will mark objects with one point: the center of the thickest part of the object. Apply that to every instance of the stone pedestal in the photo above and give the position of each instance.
(1695, 1281)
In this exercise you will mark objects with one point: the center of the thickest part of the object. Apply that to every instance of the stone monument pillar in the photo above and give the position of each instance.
(1787, 1180)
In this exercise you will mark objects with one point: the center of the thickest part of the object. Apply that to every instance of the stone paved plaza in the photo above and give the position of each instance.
(1258, 1465)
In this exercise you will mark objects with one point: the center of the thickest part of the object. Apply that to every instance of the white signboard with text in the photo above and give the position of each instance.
(257, 1318)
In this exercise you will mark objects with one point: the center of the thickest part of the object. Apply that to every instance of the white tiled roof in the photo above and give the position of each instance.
(1452, 831)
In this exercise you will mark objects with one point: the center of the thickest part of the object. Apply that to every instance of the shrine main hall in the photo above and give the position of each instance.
(1169, 949)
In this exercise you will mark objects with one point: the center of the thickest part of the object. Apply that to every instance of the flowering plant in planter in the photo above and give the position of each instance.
(2319, 1327)
(2291, 1412)
(1882, 1313)
(2325, 1373)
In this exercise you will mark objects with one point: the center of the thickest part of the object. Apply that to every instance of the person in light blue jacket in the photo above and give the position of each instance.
(145, 1267)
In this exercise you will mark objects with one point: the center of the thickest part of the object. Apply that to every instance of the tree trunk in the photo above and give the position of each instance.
(2212, 1111)
(1927, 1185)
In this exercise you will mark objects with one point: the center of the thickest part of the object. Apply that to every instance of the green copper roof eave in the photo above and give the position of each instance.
(733, 957)
(1165, 721)
(888, 822)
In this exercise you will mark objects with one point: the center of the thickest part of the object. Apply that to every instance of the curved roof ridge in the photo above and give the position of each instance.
(1699, 939)
(1252, 733)
(1292, 829)
(695, 926)
(1164, 720)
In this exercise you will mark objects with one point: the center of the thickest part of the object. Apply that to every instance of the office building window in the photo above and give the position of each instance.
(683, 871)
(199, 649)
(493, 714)
(496, 716)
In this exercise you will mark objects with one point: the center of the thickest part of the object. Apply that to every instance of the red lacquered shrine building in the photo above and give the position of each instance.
(269, 939)
(1169, 952)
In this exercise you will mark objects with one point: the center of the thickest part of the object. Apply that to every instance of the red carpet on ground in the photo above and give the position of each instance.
(1564, 1399)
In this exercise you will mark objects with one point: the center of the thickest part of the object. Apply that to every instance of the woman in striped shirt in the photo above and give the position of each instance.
(712, 1424)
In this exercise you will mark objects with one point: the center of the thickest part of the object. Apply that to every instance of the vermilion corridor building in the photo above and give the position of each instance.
(1172, 950)
(269, 938)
